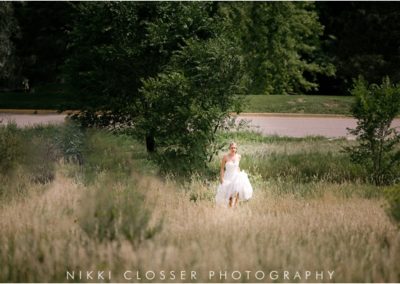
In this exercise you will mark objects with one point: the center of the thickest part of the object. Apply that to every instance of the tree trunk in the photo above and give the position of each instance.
(150, 143)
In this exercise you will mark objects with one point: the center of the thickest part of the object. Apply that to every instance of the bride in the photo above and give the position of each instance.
(234, 184)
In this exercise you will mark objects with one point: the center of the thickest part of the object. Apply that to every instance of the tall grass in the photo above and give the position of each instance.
(42, 238)
(304, 167)
(113, 212)
(30, 155)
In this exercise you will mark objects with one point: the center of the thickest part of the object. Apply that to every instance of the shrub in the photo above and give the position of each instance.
(106, 152)
(375, 108)
(392, 195)
(10, 147)
(40, 152)
(70, 142)
(116, 211)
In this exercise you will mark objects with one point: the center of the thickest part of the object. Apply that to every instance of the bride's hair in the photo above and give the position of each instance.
(232, 143)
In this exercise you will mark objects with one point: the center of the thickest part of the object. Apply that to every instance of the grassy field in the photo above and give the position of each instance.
(46, 97)
(105, 207)
(300, 104)
(54, 97)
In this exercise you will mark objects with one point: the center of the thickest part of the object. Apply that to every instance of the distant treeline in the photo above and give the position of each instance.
(287, 47)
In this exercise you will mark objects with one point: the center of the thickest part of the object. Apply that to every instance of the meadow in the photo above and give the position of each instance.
(83, 200)
(307, 104)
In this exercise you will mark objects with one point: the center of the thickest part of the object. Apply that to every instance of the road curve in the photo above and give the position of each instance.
(282, 125)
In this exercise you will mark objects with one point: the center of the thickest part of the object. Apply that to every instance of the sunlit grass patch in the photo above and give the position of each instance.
(113, 211)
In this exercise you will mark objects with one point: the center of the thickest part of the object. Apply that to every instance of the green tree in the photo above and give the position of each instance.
(280, 43)
(159, 64)
(114, 45)
(41, 47)
(375, 108)
(191, 99)
(362, 37)
(8, 29)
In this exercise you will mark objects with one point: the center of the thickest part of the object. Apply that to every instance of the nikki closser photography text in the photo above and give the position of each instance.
(199, 142)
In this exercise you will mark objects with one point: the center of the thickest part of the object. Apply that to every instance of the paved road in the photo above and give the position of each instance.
(295, 126)
(303, 126)
(31, 119)
(300, 126)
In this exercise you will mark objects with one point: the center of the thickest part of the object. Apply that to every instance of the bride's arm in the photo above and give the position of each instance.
(221, 173)
(240, 156)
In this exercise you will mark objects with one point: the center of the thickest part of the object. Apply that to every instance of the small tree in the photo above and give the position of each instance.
(375, 108)
(190, 100)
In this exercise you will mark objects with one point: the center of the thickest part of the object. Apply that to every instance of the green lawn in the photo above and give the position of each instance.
(35, 101)
(54, 97)
(299, 104)
(51, 96)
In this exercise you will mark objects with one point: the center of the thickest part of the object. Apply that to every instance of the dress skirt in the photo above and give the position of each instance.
(240, 183)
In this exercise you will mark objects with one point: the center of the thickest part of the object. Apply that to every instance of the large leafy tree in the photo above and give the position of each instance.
(280, 42)
(175, 53)
(114, 45)
(191, 98)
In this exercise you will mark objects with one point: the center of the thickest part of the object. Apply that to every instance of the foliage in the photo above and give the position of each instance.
(41, 48)
(280, 42)
(115, 45)
(375, 108)
(114, 208)
(113, 211)
(70, 142)
(8, 29)
(361, 37)
(10, 147)
(30, 155)
(392, 195)
(104, 152)
(166, 67)
(191, 99)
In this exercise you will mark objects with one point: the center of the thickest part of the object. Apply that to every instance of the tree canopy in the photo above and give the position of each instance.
(170, 66)
(176, 70)
(8, 29)
(280, 42)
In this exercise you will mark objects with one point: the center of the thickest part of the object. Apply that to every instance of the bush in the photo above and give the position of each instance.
(30, 154)
(392, 195)
(70, 142)
(115, 211)
(41, 152)
(375, 108)
(11, 148)
(109, 153)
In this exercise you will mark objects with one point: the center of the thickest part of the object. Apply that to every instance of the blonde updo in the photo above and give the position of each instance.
(232, 143)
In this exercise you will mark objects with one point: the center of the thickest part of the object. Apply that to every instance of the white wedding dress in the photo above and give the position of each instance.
(234, 181)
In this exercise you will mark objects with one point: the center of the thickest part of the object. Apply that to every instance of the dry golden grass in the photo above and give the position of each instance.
(41, 239)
